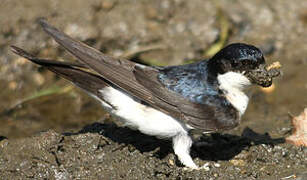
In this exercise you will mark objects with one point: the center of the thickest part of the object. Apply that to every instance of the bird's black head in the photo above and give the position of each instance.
(241, 58)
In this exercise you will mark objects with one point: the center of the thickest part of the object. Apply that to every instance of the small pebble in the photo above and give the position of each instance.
(12, 85)
(217, 165)
(206, 167)
(237, 162)
(38, 79)
(107, 5)
(171, 162)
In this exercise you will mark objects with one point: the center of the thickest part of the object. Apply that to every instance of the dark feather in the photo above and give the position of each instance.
(71, 71)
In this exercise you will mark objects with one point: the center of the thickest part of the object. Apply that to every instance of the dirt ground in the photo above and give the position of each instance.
(66, 135)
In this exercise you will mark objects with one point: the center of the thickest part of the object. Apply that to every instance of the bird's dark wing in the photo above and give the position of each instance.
(141, 82)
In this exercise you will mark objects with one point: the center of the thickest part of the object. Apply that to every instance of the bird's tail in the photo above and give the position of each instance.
(71, 71)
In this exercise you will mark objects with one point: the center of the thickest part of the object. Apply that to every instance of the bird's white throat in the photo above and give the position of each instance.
(232, 84)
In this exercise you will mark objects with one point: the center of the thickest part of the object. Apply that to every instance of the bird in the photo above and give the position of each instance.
(167, 102)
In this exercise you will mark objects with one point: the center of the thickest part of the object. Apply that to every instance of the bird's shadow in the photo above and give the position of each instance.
(124, 135)
(214, 147)
(226, 146)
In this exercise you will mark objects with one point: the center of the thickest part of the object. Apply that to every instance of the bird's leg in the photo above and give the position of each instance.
(182, 143)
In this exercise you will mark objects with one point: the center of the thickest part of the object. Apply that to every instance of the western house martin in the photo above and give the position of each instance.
(166, 102)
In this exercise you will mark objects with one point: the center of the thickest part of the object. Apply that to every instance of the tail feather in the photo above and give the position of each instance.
(45, 62)
(71, 71)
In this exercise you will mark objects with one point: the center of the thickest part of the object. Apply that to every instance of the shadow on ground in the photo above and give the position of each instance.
(212, 147)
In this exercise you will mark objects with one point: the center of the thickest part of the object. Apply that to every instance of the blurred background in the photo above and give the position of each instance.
(156, 32)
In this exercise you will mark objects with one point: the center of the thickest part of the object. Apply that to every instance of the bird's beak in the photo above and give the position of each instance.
(262, 75)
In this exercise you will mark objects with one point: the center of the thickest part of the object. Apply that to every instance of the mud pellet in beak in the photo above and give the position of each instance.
(274, 65)
(273, 69)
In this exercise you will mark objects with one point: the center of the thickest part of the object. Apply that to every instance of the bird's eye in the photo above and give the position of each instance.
(244, 63)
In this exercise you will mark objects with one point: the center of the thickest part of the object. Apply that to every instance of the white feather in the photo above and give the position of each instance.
(139, 116)
(233, 83)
